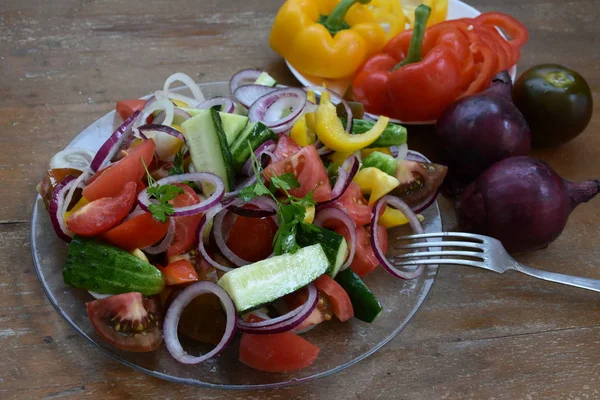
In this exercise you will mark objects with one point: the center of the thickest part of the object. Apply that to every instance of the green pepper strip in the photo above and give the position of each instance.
(416, 42)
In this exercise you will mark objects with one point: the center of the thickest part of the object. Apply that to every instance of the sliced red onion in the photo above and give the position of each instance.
(324, 151)
(174, 314)
(340, 215)
(205, 224)
(221, 241)
(178, 112)
(246, 95)
(165, 242)
(112, 145)
(245, 183)
(137, 211)
(56, 206)
(346, 174)
(78, 183)
(242, 78)
(336, 98)
(156, 104)
(402, 151)
(269, 108)
(151, 129)
(260, 314)
(286, 322)
(227, 105)
(203, 177)
(412, 155)
(72, 157)
(414, 223)
(266, 208)
(187, 81)
(264, 149)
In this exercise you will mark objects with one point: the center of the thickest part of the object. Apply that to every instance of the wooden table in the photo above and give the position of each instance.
(64, 63)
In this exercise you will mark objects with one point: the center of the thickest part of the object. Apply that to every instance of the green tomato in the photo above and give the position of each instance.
(556, 102)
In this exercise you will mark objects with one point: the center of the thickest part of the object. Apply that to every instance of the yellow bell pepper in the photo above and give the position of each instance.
(309, 215)
(82, 202)
(364, 153)
(333, 134)
(326, 38)
(338, 158)
(301, 133)
(387, 13)
(375, 182)
(392, 218)
(439, 10)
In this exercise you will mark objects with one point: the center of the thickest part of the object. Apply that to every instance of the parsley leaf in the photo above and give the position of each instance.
(162, 193)
(178, 166)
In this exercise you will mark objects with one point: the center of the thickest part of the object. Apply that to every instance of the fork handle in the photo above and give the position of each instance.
(584, 283)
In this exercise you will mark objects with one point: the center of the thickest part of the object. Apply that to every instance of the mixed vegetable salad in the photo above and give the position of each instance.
(263, 213)
(260, 213)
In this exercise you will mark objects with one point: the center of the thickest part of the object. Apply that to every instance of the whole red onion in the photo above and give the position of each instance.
(522, 202)
(478, 130)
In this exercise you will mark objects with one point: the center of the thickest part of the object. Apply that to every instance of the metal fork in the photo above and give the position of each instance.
(484, 252)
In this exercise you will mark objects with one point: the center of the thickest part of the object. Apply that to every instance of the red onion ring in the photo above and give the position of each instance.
(286, 322)
(227, 105)
(343, 217)
(246, 95)
(242, 78)
(245, 183)
(174, 314)
(346, 174)
(336, 97)
(204, 223)
(268, 108)
(78, 183)
(187, 81)
(112, 145)
(221, 243)
(412, 155)
(56, 206)
(324, 151)
(212, 200)
(264, 149)
(156, 104)
(165, 242)
(152, 128)
(414, 223)
(177, 112)
(266, 208)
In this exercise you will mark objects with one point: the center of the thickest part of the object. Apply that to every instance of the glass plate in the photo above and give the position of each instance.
(341, 344)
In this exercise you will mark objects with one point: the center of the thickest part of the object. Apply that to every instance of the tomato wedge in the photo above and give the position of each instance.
(136, 233)
(110, 181)
(355, 205)
(340, 302)
(178, 272)
(126, 108)
(127, 321)
(308, 168)
(103, 214)
(281, 352)
(252, 238)
(185, 227)
(364, 259)
(286, 147)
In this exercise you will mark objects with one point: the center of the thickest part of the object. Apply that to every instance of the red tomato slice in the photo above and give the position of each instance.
(308, 168)
(126, 108)
(103, 214)
(178, 272)
(126, 311)
(355, 205)
(281, 352)
(252, 238)
(110, 181)
(364, 259)
(286, 147)
(340, 302)
(185, 227)
(136, 233)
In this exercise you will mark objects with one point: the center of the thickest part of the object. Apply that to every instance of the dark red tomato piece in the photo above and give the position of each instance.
(281, 352)
(110, 181)
(286, 147)
(136, 233)
(355, 205)
(340, 302)
(364, 258)
(103, 214)
(252, 238)
(178, 272)
(126, 108)
(308, 168)
(185, 227)
(127, 321)
(320, 314)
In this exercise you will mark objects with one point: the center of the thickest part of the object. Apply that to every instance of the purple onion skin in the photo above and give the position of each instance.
(522, 202)
(479, 130)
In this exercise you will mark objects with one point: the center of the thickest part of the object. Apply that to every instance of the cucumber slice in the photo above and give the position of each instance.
(265, 281)
(365, 304)
(334, 245)
(265, 80)
(208, 146)
(233, 125)
(384, 162)
(256, 133)
(105, 269)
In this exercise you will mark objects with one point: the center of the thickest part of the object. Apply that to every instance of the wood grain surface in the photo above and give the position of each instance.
(64, 63)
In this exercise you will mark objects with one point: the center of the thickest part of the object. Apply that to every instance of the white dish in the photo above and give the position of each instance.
(456, 9)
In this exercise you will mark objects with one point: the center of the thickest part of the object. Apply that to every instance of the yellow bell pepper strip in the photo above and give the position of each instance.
(333, 135)
(338, 157)
(389, 15)
(392, 218)
(375, 182)
(82, 202)
(301, 133)
(309, 215)
(323, 39)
